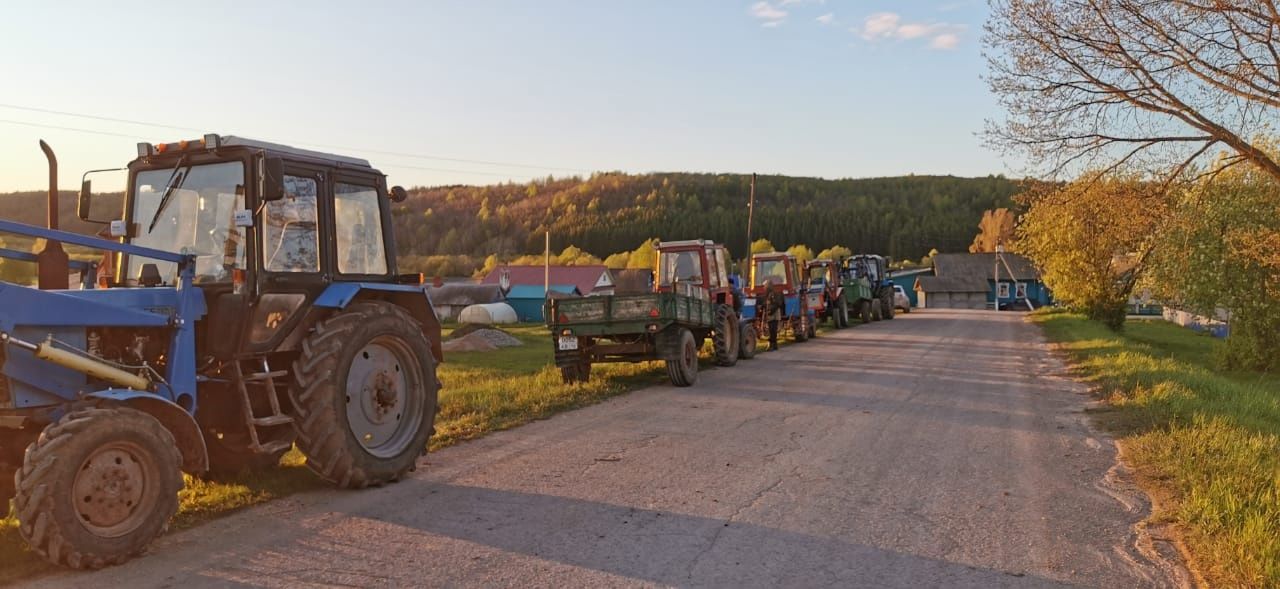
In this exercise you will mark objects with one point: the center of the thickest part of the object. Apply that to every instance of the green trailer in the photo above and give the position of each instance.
(692, 301)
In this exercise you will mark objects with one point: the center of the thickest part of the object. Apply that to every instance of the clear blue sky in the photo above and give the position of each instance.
(803, 87)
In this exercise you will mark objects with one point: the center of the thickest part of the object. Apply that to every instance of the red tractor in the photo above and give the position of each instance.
(826, 293)
(783, 271)
(704, 263)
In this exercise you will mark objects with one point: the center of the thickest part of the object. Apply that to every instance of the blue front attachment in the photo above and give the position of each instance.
(35, 316)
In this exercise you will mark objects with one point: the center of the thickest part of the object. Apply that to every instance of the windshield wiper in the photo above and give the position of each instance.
(176, 179)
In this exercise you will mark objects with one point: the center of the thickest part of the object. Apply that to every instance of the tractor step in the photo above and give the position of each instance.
(272, 420)
(276, 446)
(261, 376)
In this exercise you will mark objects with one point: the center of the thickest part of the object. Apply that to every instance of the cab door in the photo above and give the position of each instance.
(291, 271)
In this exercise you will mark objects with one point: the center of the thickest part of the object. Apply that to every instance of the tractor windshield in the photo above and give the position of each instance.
(683, 266)
(197, 219)
(771, 270)
(818, 275)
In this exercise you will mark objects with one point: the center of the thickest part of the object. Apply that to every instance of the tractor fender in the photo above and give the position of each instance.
(185, 430)
(410, 297)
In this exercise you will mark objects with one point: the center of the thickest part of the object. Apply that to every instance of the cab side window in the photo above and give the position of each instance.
(358, 221)
(290, 239)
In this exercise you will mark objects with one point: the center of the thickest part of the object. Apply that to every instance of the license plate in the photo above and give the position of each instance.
(568, 342)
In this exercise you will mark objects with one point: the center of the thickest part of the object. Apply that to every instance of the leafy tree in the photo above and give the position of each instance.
(617, 261)
(1218, 251)
(996, 228)
(762, 246)
(645, 256)
(1091, 240)
(835, 252)
(801, 252)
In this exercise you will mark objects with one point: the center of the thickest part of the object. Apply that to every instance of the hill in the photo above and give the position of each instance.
(610, 212)
(451, 229)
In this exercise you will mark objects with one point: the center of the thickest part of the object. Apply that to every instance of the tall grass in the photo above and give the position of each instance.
(1204, 441)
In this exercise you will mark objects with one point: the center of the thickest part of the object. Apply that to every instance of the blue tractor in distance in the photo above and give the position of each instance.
(250, 301)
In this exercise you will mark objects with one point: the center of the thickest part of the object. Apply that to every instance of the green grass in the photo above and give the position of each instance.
(483, 392)
(1205, 443)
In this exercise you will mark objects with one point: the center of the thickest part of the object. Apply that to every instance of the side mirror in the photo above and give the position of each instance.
(272, 179)
(398, 194)
(86, 196)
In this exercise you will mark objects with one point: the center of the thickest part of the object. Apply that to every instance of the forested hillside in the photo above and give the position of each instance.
(611, 212)
(452, 229)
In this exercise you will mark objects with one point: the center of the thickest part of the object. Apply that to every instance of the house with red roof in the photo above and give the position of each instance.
(587, 279)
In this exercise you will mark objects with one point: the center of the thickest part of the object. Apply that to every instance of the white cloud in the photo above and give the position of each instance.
(827, 19)
(945, 41)
(770, 14)
(889, 25)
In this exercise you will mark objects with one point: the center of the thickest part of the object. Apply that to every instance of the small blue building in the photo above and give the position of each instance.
(982, 281)
(528, 299)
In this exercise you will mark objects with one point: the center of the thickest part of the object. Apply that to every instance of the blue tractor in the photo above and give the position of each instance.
(249, 301)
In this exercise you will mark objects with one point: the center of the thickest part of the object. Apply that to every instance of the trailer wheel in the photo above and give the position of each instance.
(683, 367)
(750, 339)
(724, 339)
(97, 487)
(576, 373)
(365, 395)
(864, 311)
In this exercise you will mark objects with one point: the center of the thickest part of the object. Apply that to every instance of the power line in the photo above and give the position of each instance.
(78, 130)
(313, 144)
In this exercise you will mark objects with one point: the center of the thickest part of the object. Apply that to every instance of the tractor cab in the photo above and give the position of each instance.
(779, 268)
(271, 229)
(692, 265)
(872, 267)
(824, 285)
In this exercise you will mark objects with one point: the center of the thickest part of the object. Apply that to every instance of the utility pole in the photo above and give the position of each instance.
(751, 212)
(546, 266)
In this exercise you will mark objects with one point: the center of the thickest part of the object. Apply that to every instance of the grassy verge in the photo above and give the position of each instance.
(483, 392)
(1205, 443)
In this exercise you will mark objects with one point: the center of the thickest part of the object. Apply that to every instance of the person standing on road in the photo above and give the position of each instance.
(771, 304)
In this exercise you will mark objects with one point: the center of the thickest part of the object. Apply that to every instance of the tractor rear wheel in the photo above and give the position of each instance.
(97, 487)
(683, 367)
(365, 395)
(724, 339)
(750, 339)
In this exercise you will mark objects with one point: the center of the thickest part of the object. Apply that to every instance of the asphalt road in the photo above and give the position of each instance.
(942, 449)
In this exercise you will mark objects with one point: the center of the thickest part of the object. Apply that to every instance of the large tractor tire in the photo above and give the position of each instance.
(748, 341)
(887, 302)
(365, 395)
(864, 311)
(724, 338)
(842, 313)
(97, 487)
(683, 367)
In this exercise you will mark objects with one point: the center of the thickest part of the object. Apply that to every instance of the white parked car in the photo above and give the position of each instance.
(900, 300)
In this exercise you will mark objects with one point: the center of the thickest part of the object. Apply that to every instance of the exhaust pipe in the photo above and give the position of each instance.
(53, 266)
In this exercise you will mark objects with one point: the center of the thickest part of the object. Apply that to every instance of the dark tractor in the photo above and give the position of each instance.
(251, 302)
(876, 270)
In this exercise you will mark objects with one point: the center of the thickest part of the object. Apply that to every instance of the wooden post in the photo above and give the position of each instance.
(546, 267)
(751, 212)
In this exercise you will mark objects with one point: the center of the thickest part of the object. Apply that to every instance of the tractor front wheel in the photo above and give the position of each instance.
(365, 395)
(887, 302)
(724, 339)
(750, 339)
(877, 309)
(97, 487)
(842, 314)
(799, 330)
(682, 367)
(864, 311)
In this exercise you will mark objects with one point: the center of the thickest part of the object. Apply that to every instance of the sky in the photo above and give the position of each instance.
(480, 91)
